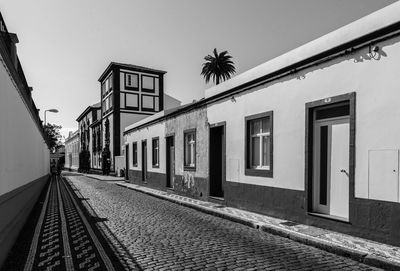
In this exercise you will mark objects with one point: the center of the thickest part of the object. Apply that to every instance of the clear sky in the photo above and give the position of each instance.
(65, 45)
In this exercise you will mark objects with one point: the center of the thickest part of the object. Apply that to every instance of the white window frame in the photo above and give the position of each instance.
(192, 147)
(258, 170)
(259, 135)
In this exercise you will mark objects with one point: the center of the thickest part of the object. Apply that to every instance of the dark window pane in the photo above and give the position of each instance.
(333, 112)
(323, 173)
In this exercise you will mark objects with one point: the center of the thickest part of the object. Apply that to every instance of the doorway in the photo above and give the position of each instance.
(127, 162)
(217, 160)
(331, 161)
(144, 161)
(170, 153)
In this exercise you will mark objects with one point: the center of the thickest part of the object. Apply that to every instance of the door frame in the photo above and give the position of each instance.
(309, 147)
(215, 125)
(167, 160)
(127, 161)
(144, 161)
(318, 123)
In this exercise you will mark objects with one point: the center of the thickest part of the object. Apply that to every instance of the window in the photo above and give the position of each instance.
(156, 151)
(190, 149)
(107, 104)
(148, 102)
(134, 154)
(103, 89)
(110, 79)
(149, 83)
(106, 86)
(132, 101)
(111, 101)
(131, 81)
(259, 145)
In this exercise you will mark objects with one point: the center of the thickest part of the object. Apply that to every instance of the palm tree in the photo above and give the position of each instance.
(219, 67)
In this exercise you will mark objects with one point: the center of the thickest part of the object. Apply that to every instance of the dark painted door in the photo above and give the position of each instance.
(217, 161)
(126, 162)
(144, 161)
(170, 153)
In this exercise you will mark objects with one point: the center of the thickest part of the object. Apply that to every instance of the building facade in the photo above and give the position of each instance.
(24, 151)
(310, 136)
(89, 127)
(72, 148)
(129, 93)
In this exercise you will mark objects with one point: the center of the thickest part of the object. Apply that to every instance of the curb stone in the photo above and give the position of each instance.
(360, 256)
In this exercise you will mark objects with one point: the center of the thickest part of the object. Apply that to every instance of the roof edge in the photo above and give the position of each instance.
(129, 67)
(364, 26)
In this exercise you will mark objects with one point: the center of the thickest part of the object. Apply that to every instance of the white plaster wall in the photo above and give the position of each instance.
(126, 120)
(376, 83)
(72, 147)
(157, 130)
(24, 156)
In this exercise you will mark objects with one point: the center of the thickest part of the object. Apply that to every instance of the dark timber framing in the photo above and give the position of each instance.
(128, 107)
(153, 109)
(116, 115)
(258, 172)
(309, 122)
(125, 80)
(154, 83)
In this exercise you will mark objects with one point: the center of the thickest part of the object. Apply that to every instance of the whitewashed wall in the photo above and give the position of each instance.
(126, 120)
(377, 86)
(157, 130)
(24, 155)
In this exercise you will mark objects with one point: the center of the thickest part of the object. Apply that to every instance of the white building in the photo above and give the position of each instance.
(312, 136)
(72, 148)
(24, 152)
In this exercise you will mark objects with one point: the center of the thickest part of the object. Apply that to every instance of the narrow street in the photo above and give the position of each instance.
(62, 237)
(151, 234)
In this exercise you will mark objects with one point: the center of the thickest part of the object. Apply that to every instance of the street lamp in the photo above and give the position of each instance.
(49, 110)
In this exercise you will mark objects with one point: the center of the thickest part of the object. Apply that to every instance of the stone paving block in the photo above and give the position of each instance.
(157, 232)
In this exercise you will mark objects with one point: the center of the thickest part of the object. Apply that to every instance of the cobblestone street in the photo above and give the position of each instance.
(59, 236)
(154, 234)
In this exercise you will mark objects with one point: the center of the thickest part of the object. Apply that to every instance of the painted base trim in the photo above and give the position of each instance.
(370, 219)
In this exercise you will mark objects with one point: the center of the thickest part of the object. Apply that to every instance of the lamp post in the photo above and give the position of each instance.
(49, 110)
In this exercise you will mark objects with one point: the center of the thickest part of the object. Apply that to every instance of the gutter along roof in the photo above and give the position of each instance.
(359, 33)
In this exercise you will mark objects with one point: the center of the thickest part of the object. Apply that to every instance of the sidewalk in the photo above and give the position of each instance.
(106, 178)
(363, 250)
